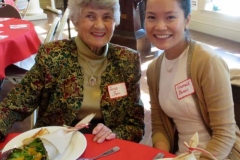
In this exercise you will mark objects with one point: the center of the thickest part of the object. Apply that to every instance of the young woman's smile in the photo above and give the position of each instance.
(165, 25)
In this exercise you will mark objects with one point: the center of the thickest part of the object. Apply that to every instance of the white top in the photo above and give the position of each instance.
(183, 111)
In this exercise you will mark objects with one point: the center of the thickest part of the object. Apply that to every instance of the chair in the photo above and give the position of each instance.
(68, 20)
(13, 75)
(9, 11)
(236, 100)
(23, 8)
(53, 8)
(15, 78)
(52, 30)
(62, 23)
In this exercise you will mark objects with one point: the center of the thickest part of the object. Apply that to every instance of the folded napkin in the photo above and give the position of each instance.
(51, 141)
(58, 141)
(192, 146)
(64, 136)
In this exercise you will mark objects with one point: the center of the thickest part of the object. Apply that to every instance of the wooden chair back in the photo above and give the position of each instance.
(236, 100)
(9, 11)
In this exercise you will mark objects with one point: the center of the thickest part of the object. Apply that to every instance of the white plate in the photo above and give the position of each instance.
(75, 149)
(165, 159)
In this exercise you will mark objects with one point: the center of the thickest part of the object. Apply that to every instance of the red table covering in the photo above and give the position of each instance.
(128, 150)
(20, 44)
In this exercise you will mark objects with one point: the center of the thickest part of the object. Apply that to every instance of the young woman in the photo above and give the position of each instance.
(189, 86)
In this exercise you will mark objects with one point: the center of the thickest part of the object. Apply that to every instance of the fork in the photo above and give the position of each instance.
(158, 156)
(106, 153)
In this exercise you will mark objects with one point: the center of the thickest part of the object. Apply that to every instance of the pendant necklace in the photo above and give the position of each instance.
(171, 68)
(92, 80)
(176, 60)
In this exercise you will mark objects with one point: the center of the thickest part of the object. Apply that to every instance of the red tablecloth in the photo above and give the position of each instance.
(20, 44)
(128, 150)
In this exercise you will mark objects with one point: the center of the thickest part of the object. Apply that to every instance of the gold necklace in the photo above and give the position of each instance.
(92, 80)
(170, 70)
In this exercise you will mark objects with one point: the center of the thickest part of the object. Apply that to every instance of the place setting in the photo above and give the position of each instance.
(52, 142)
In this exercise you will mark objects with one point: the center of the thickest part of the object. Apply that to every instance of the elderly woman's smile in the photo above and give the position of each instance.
(97, 34)
(95, 27)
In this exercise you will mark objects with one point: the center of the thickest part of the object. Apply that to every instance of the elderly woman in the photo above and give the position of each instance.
(83, 75)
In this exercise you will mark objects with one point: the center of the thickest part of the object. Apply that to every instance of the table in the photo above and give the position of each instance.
(128, 150)
(21, 43)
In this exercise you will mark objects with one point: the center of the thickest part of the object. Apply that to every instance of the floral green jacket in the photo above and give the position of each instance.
(55, 86)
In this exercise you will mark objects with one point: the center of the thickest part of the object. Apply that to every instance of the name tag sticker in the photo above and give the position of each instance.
(117, 90)
(184, 88)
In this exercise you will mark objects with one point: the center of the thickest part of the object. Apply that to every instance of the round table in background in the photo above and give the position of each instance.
(19, 45)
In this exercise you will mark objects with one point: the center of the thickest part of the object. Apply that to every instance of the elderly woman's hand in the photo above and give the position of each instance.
(102, 133)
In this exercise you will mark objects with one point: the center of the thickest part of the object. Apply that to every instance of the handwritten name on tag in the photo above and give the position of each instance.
(117, 90)
(184, 88)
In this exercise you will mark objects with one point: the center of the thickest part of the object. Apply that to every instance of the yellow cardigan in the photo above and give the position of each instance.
(211, 80)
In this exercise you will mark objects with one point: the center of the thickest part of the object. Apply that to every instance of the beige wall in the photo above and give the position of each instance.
(203, 21)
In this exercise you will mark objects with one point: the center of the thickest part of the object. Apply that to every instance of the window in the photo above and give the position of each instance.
(228, 7)
(217, 17)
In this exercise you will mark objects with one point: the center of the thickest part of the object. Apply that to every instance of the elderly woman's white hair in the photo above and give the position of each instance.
(75, 7)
